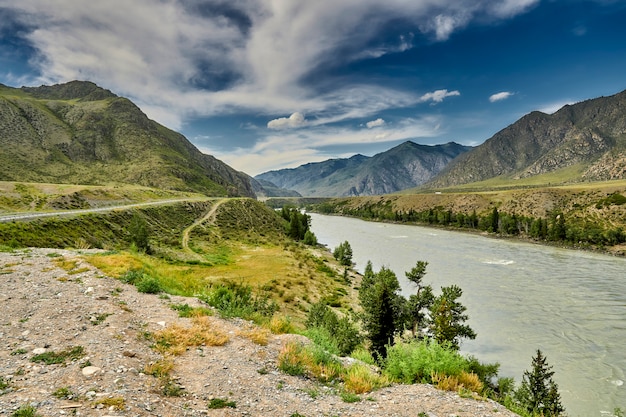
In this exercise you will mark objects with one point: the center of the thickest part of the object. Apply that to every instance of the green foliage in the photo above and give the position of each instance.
(448, 318)
(25, 411)
(343, 253)
(149, 285)
(238, 300)
(310, 238)
(185, 310)
(3, 384)
(348, 397)
(417, 361)
(382, 309)
(298, 222)
(216, 403)
(538, 393)
(139, 235)
(50, 358)
(63, 393)
(337, 335)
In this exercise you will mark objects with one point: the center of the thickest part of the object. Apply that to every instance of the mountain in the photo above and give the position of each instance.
(587, 138)
(405, 166)
(80, 133)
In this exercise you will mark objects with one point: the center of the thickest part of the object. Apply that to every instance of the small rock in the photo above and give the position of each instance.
(89, 291)
(39, 351)
(90, 370)
(161, 323)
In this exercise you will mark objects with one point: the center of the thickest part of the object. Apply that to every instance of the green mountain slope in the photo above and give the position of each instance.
(404, 166)
(585, 142)
(83, 134)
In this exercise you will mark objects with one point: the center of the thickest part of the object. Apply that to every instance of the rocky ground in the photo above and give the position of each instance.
(48, 310)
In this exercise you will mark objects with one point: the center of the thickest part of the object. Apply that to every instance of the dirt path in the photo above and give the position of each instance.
(209, 217)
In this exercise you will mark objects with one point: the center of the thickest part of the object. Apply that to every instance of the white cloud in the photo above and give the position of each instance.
(295, 120)
(176, 60)
(500, 96)
(375, 123)
(438, 96)
(288, 148)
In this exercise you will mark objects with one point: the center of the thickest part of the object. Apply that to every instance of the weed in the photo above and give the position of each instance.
(160, 368)
(118, 403)
(3, 384)
(99, 318)
(281, 325)
(263, 371)
(348, 397)
(216, 403)
(185, 310)
(149, 285)
(171, 388)
(359, 379)
(18, 352)
(25, 411)
(176, 339)
(258, 335)
(296, 415)
(50, 358)
(63, 393)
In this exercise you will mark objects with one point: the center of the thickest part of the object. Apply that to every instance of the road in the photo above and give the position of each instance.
(36, 215)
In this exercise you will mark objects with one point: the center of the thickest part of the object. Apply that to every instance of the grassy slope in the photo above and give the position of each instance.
(244, 244)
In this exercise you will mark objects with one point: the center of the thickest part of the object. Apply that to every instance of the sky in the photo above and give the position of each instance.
(271, 84)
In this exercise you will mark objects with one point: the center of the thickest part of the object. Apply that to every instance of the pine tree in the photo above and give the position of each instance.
(448, 320)
(539, 394)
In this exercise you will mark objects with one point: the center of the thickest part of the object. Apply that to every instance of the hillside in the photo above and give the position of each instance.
(116, 368)
(404, 166)
(82, 134)
(581, 142)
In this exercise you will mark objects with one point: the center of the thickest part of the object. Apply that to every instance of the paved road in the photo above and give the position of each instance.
(35, 215)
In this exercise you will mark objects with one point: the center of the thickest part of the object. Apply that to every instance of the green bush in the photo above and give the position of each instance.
(237, 300)
(25, 411)
(149, 285)
(417, 361)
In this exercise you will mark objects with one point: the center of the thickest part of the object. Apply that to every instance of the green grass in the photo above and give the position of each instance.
(217, 403)
(51, 358)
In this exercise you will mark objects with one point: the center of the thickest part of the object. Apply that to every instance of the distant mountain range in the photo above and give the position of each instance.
(586, 141)
(81, 133)
(404, 166)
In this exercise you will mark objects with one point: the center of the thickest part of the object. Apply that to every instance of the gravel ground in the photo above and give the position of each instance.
(47, 309)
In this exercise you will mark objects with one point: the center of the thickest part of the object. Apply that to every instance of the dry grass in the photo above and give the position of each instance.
(463, 381)
(359, 379)
(256, 334)
(118, 403)
(281, 325)
(176, 339)
(160, 368)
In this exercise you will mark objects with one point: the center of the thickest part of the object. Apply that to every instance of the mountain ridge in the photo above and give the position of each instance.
(591, 134)
(404, 166)
(78, 132)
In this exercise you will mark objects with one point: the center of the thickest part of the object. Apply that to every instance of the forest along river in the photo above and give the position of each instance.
(520, 297)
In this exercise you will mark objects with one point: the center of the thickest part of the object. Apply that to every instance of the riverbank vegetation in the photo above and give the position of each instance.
(577, 217)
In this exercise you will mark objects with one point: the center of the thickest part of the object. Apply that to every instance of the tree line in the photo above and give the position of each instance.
(556, 227)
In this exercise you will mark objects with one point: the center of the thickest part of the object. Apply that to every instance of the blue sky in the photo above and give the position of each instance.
(269, 84)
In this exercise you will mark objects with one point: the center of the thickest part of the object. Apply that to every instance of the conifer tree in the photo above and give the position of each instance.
(539, 394)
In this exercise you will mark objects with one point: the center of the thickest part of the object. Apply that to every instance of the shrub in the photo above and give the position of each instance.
(149, 285)
(216, 403)
(25, 411)
(237, 300)
(359, 379)
(281, 325)
(418, 361)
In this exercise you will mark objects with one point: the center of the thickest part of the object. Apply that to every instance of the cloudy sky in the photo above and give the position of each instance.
(267, 84)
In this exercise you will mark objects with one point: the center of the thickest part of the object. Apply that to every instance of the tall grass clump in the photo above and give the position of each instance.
(420, 361)
(238, 300)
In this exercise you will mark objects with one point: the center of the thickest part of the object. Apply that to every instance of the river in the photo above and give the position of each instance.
(520, 297)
